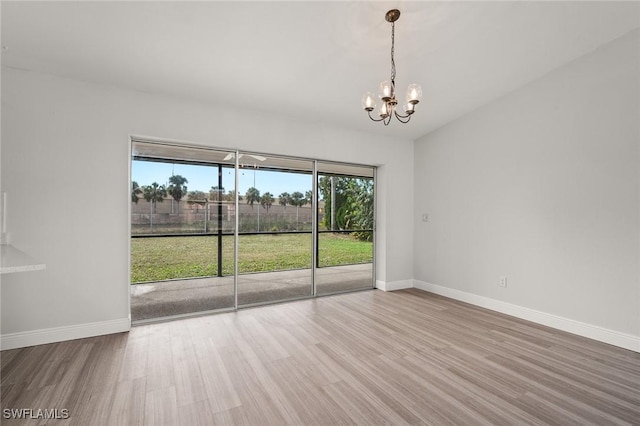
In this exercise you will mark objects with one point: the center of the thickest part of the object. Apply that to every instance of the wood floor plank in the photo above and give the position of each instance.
(257, 406)
(159, 366)
(370, 357)
(218, 384)
(134, 364)
(161, 407)
(305, 358)
(199, 414)
(361, 377)
(312, 405)
(188, 378)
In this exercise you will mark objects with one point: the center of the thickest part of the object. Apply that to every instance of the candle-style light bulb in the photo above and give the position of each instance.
(386, 91)
(368, 101)
(414, 93)
(408, 108)
(384, 110)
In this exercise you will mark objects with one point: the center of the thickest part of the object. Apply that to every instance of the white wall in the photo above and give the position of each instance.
(65, 151)
(541, 186)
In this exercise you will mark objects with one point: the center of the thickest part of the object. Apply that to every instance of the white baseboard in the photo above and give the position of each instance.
(60, 334)
(394, 285)
(626, 341)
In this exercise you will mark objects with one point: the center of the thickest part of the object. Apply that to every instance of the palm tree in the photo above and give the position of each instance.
(297, 199)
(177, 188)
(154, 193)
(135, 191)
(284, 199)
(216, 192)
(333, 190)
(308, 198)
(266, 201)
(252, 196)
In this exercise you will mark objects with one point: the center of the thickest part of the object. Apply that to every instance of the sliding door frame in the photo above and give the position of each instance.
(314, 229)
(373, 229)
(236, 243)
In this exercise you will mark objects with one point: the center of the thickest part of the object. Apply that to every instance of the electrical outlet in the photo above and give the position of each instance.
(503, 282)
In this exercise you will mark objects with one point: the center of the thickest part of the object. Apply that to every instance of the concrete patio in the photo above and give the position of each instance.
(176, 297)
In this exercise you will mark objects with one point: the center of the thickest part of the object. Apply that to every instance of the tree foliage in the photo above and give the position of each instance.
(216, 193)
(284, 199)
(324, 187)
(196, 197)
(154, 193)
(231, 196)
(177, 187)
(353, 198)
(252, 196)
(266, 201)
(135, 192)
(297, 199)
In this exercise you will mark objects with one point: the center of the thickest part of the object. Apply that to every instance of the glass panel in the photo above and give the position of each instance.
(345, 228)
(181, 198)
(182, 228)
(275, 229)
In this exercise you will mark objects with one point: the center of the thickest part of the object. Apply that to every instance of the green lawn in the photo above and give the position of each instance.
(163, 258)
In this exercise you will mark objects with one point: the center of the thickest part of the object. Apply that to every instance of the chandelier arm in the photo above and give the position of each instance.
(400, 118)
(374, 119)
(400, 115)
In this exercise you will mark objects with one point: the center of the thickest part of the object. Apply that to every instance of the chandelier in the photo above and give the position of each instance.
(389, 106)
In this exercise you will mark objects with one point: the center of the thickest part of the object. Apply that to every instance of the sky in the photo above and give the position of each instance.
(202, 178)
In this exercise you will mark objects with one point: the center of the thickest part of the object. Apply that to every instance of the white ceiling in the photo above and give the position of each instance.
(311, 60)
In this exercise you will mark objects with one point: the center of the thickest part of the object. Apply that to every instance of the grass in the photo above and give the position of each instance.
(163, 258)
(343, 249)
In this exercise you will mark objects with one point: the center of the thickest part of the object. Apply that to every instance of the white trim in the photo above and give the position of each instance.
(616, 338)
(59, 334)
(394, 285)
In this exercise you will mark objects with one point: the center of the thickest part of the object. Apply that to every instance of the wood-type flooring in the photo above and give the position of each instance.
(404, 357)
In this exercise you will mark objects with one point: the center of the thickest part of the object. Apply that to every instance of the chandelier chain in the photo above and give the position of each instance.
(393, 62)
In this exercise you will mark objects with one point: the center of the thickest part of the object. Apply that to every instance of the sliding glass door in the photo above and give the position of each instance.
(215, 229)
